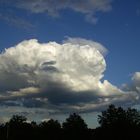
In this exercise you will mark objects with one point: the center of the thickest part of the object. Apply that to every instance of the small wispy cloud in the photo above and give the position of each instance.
(54, 7)
(138, 12)
(16, 21)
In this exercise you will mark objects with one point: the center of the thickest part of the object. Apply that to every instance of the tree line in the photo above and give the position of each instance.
(115, 123)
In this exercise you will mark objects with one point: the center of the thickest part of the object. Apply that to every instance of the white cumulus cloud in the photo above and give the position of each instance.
(136, 78)
(135, 83)
(60, 77)
(31, 63)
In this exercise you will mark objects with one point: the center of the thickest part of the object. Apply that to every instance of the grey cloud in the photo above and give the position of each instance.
(50, 69)
(36, 114)
(10, 103)
(34, 103)
(65, 96)
(12, 82)
(49, 66)
(49, 63)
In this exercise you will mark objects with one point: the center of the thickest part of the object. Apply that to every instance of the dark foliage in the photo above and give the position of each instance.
(116, 123)
(74, 122)
(75, 128)
(50, 130)
(115, 117)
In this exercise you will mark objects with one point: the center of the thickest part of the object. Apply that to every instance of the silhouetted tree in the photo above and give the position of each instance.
(117, 123)
(51, 124)
(50, 129)
(18, 119)
(74, 121)
(2, 132)
(133, 117)
(17, 128)
(115, 116)
(75, 127)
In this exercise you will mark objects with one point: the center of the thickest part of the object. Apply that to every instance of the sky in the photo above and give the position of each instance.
(63, 56)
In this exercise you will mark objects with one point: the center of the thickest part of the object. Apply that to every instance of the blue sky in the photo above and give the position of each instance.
(118, 30)
(115, 25)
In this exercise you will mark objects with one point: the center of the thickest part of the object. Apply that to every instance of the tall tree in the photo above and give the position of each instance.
(118, 123)
(50, 129)
(117, 116)
(18, 119)
(75, 128)
(74, 121)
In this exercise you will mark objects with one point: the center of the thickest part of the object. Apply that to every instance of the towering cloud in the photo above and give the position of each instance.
(31, 63)
(59, 77)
